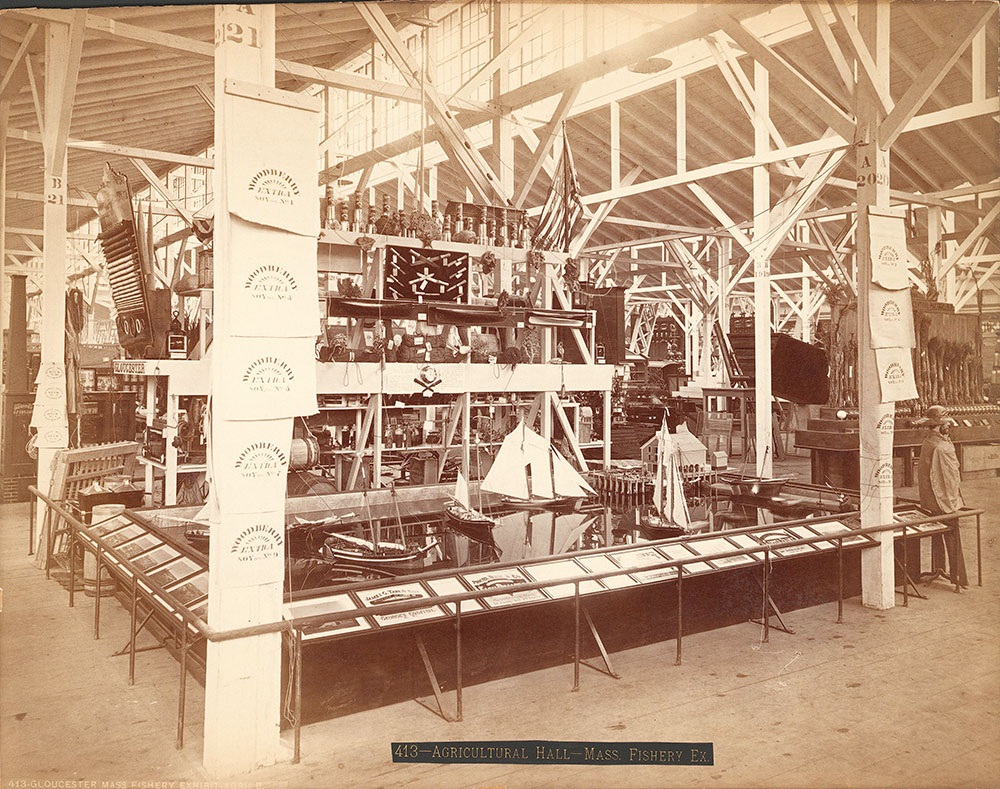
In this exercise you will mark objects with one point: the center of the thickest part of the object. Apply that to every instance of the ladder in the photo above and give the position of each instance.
(643, 324)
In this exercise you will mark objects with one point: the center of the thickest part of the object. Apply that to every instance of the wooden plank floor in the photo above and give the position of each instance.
(907, 697)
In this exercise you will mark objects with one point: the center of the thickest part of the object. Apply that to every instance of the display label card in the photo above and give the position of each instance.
(139, 545)
(267, 378)
(890, 316)
(326, 605)
(717, 545)
(270, 165)
(776, 537)
(154, 558)
(249, 549)
(804, 532)
(600, 563)
(273, 289)
(123, 535)
(190, 590)
(890, 258)
(447, 586)
(559, 570)
(399, 593)
(250, 463)
(177, 570)
(103, 527)
(498, 578)
(835, 528)
(679, 551)
(895, 374)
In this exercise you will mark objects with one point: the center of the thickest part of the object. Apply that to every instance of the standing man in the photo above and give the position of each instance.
(939, 479)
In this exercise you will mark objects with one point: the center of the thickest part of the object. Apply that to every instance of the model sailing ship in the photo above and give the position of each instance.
(529, 472)
(461, 515)
(670, 517)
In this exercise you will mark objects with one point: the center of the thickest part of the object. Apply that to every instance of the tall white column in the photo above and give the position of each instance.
(876, 418)
(60, 90)
(242, 677)
(762, 275)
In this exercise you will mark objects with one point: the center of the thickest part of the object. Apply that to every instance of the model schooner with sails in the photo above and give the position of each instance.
(462, 516)
(671, 516)
(529, 471)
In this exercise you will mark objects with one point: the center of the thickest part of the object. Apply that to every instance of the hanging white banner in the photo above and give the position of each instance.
(890, 316)
(250, 463)
(270, 164)
(895, 374)
(274, 290)
(47, 415)
(251, 548)
(887, 245)
(50, 436)
(267, 378)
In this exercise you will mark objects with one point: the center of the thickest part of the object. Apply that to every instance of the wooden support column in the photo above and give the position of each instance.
(806, 303)
(63, 47)
(242, 676)
(4, 298)
(681, 130)
(762, 274)
(876, 418)
(503, 126)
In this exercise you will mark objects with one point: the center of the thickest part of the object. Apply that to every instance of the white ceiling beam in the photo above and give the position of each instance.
(159, 40)
(863, 57)
(17, 65)
(453, 136)
(962, 34)
(782, 71)
(160, 189)
(816, 15)
(599, 216)
(36, 98)
(986, 223)
(108, 148)
(546, 140)
(57, 132)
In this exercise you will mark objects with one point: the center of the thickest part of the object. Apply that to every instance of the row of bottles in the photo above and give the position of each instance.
(352, 216)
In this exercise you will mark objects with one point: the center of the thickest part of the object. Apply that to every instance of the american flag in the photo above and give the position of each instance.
(562, 209)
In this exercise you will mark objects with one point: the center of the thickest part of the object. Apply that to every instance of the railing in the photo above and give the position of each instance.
(294, 626)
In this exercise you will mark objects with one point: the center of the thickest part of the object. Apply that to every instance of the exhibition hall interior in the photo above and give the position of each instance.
(498, 393)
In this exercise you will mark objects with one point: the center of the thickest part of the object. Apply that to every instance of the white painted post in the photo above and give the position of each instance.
(762, 274)
(60, 90)
(806, 303)
(4, 297)
(242, 677)
(876, 418)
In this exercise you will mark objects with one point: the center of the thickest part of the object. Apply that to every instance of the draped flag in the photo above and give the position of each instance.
(563, 207)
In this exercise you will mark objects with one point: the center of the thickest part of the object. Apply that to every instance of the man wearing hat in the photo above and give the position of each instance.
(939, 478)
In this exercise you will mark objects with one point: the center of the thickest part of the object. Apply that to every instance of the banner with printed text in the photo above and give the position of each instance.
(890, 316)
(250, 548)
(271, 163)
(48, 414)
(250, 463)
(887, 245)
(274, 288)
(267, 378)
(895, 374)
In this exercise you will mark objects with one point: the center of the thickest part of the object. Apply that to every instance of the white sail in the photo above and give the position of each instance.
(462, 491)
(658, 481)
(524, 454)
(566, 480)
(678, 513)
(508, 474)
